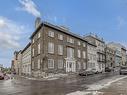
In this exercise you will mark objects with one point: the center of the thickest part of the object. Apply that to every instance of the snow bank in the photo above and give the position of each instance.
(86, 93)
(55, 76)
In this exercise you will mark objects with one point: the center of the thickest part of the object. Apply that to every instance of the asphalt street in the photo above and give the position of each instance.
(62, 86)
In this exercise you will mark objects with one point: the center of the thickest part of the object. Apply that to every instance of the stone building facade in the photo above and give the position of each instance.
(26, 60)
(55, 50)
(99, 49)
(92, 57)
(118, 54)
(110, 57)
(15, 64)
(19, 63)
(123, 51)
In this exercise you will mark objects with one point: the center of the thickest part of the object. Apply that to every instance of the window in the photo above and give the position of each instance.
(84, 44)
(79, 65)
(92, 65)
(70, 40)
(60, 37)
(38, 63)
(32, 64)
(79, 43)
(50, 63)
(33, 40)
(94, 57)
(84, 54)
(60, 64)
(39, 35)
(33, 52)
(51, 33)
(84, 65)
(60, 49)
(50, 47)
(79, 53)
(70, 52)
(39, 48)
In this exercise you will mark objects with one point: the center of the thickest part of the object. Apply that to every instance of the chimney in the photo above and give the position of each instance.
(37, 22)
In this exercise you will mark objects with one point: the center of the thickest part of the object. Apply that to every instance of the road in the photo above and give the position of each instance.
(62, 86)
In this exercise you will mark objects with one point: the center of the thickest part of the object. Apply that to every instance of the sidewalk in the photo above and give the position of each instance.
(52, 77)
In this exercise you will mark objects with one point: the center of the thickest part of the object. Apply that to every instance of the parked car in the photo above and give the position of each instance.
(107, 69)
(90, 72)
(123, 70)
(96, 71)
(1, 76)
(86, 72)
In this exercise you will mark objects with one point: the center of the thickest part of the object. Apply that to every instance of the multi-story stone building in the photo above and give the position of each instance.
(92, 57)
(118, 53)
(56, 50)
(26, 60)
(14, 65)
(100, 50)
(110, 57)
(123, 51)
(19, 63)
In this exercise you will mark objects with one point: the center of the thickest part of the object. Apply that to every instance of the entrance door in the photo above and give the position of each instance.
(70, 66)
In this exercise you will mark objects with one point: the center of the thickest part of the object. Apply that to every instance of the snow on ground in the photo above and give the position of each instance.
(104, 83)
(93, 88)
(86, 93)
(55, 76)
(51, 77)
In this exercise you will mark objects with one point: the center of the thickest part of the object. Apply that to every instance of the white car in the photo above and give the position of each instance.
(96, 71)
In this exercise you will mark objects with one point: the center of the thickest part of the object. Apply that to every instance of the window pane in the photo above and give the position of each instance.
(70, 52)
(50, 47)
(50, 63)
(60, 64)
(60, 49)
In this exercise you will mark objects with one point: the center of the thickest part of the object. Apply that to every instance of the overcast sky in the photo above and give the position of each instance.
(106, 18)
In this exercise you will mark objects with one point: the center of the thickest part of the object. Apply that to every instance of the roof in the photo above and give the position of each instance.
(26, 47)
(124, 48)
(92, 44)
(95, 38)
(56, 28)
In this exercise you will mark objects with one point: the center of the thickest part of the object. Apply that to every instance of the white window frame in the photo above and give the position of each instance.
(79, 53)
(38, 65)
(33, 40)
(50, 33)
(51, 47)
(32, 65)
(60, 49)
(39, 35)
(84, 65)
(84, 54)
(84, 44)
(39, 48)
(70, 40)
(50, 63)
(33, 52)
(60, 36)
(60, 64)
(79, 65)
(79, 43)
(70, 52)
